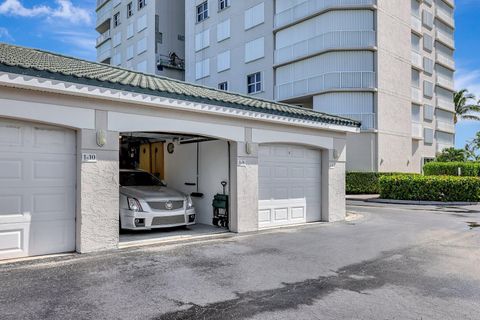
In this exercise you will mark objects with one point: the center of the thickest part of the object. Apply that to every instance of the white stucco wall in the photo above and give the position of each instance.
(180, 167)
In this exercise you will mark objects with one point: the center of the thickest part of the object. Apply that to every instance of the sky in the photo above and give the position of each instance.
(68, 27)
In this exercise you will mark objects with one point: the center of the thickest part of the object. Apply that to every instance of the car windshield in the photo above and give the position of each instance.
(144, 179)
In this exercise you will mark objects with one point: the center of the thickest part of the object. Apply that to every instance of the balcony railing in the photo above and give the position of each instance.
(310, 7)
(367, 119)
(325, 82)
(442, 145)
(101, 3)
(416, 24)
(445, 38)
(445, 82)
(326, 41)
(103, 37)
(445, 104)
(445, 60)
(417, 95)
(451, 3)
(445, 126)
(445, 17)
(417, 131)
(104, 51)
(417, 60)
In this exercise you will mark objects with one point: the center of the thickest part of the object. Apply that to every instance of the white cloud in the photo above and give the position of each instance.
(64, 10)
(5, 35)
(468, 79)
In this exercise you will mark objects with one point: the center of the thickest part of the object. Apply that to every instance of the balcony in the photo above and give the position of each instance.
(367, 119)
(451, 3)
(442, 145)
(104, 15)
(326, 82)
(104, 51)
(416, 24)
(311, 7)
(103, 37)
(417, 96)
(442, 125)
(445, 38)
(100, 3)
(326, 41)
(417, 60)
(445, 104)
(444, 17)
(445, 60)
(445, 82)
(417, 131)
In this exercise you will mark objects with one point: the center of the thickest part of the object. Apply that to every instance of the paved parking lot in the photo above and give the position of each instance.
(393, 262)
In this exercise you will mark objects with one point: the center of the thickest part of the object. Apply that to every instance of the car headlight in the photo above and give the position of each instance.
(134, 204)
(189, 202)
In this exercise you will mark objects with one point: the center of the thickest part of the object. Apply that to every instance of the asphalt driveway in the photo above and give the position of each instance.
(393, 262)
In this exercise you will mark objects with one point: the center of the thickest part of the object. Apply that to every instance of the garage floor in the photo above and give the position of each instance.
(180, 233)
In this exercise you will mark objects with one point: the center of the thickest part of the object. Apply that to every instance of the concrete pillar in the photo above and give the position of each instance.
(333, 182)
(97, 188)
(244, 187)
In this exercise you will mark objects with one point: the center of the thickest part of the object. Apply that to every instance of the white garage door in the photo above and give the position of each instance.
(289, 185)
(37, 189)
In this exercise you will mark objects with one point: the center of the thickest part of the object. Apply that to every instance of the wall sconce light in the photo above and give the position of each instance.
(101, 138)
(336, 155)
(248, 148)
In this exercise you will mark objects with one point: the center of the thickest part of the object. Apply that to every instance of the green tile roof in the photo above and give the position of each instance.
(32, 62)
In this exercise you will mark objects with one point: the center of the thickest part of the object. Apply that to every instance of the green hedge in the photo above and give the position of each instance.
(364, 182)
(468, 169)
(430, 188)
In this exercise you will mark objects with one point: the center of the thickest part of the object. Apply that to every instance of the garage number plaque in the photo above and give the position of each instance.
(89, 157)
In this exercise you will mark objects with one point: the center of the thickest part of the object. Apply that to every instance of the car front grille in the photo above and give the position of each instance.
(166, 205)
(157, 221)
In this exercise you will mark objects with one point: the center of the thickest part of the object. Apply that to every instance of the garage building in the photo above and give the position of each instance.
(63, 122)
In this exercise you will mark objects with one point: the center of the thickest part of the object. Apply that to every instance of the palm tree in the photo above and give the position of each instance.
(463, 108)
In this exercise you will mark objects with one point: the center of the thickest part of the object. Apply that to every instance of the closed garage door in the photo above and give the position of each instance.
(37, 189)
(289, 185)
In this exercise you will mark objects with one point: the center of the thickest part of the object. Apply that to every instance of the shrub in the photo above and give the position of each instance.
(364, 182)
(468, 169)
(452, 155)
(430, 188)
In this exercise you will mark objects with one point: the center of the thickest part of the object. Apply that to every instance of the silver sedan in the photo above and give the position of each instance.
(147, 203)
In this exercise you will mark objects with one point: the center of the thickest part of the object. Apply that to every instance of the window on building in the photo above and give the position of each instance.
(130, 30)
(427, 42)
(415, 78)
(202, 11)
(141, 4)
(223, 4)
(129, 10)
(254, 82)
(223, 86)
(116, 19)
(254, 16)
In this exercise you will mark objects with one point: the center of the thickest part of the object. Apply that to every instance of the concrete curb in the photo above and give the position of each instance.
(425, 203)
